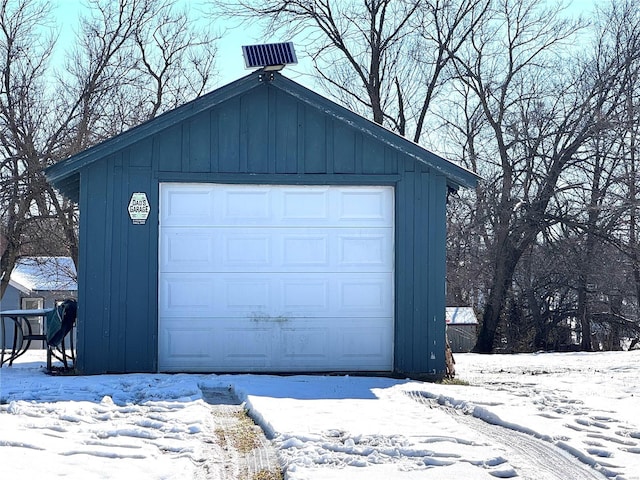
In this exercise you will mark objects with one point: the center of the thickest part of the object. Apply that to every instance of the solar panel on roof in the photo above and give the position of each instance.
(269, 55)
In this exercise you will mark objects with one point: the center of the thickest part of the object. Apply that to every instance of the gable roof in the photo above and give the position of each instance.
(32, 274)
(65, 174)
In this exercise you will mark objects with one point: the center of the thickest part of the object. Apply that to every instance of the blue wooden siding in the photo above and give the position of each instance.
(117, 290)
(262, 136)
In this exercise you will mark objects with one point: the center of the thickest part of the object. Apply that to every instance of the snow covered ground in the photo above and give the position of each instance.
(541, 416)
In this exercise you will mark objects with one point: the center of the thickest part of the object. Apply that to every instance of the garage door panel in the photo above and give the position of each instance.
(245, 250)
(247, 207)
(274, 295)
(364, 206)
(187, 204)
(192, 295)
(365, 252)
(366, 342)
(301, 295)
(243, 296)
(222, 295)
(187, 251)
(242, 249)
(320, 344)
(186, 340)
(245, 347)
(334, 206)
(305, 251)
(275, 278)
(301, 344)
(368, 295)
(265, 205)
(304, 206)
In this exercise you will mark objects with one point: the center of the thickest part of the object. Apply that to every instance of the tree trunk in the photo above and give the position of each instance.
(500, 285)
(585, 322)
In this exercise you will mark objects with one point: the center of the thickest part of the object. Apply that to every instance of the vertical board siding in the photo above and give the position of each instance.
(214, 143)
(390, 161)
(255, 120)
(404, 308)
(420, 229)
(169, 149)
(300, 135)
(420, 338)
(185, 154)
(344, 155)
(423, 343)
(83, 327)
(437, 271)
(94, 271)
(115, 270)
(314, 142)
(330, 127)
(357, 146)
(199, 145)
(228, 136)
(117, 331)
(141, 153)
(139, 321)
(284, 122)
(264, 131)
(372, 156)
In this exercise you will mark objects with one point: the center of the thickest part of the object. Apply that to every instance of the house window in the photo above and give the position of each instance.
(37, 327)
(33, 303)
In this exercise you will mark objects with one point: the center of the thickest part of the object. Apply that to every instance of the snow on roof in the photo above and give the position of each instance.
(460, 316)
(44, 274)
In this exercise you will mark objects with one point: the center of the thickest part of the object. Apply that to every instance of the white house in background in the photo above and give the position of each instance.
(40, 282)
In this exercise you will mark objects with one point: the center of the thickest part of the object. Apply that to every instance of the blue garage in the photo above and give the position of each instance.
(261, 228)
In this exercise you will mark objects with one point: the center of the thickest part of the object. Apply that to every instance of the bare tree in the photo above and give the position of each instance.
(133, 59)
(176, 60)
(23, 115)
(539, 114)
(629, 20)
(619, 24)
(383, 59)
(600, 206)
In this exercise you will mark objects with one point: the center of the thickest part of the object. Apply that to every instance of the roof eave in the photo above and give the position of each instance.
(56, 174)
(19, 286)
(457, 176)
(66, 169)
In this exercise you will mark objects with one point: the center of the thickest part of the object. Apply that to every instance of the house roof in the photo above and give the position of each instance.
(460, 316)
(65, 174)
(44, 274)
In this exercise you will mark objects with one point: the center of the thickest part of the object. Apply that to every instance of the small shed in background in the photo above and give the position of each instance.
(462, 328)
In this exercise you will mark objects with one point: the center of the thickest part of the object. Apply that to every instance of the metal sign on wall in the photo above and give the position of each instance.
(139, 208)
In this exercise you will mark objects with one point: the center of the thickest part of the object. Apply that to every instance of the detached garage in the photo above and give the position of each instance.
(260, 228)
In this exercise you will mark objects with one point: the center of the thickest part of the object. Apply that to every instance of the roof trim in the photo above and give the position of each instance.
(20, 287)
(63, 170)
(459, 175)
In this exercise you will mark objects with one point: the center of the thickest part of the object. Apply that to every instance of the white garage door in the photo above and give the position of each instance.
(275, 278)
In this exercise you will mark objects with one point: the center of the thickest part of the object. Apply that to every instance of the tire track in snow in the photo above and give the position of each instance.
(256, 459)
(533, 459)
